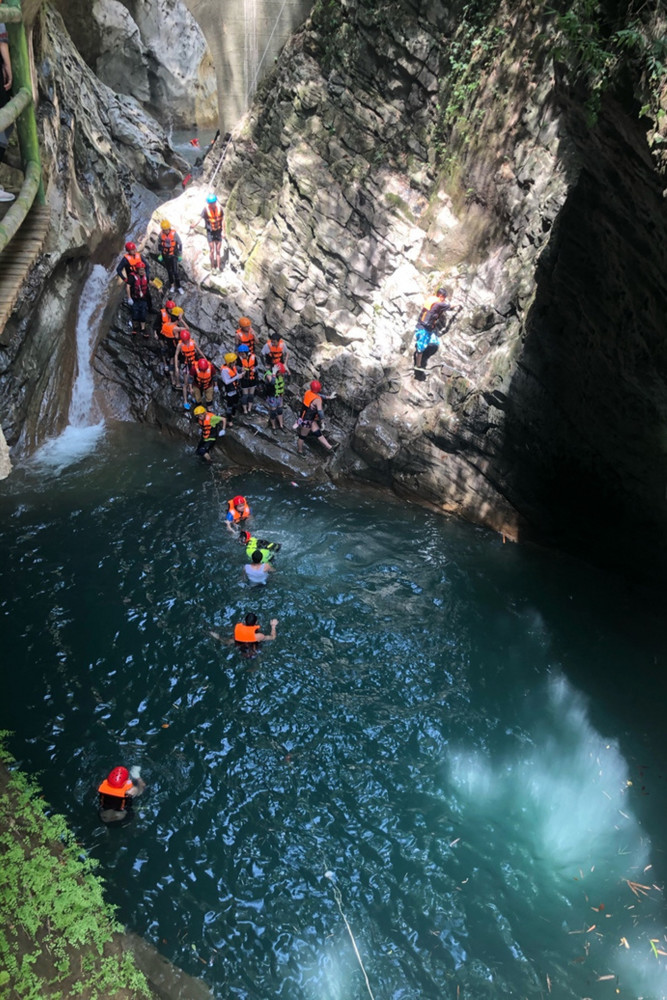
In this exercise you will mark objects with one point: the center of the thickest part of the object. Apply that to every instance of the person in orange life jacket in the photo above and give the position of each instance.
(247, 634)
(129, 264)
(248, 365)
(167, 330)
(170, 252)
(212, 427)
(186, 351)
(245, 334)
(237, 511)
(117, 791)
(202, 388)
(433, 313)
(140, 300)
(274, 386)
(230, 378)
(214, 220)
(257, 570)
(311, 420)
(274, 351)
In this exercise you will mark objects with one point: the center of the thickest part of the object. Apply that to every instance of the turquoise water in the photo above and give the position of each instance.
(451, 758)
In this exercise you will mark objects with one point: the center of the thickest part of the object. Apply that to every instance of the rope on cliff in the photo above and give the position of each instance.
(251, 87)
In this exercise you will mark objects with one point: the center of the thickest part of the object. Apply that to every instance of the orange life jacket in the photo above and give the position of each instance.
(214, 218)
(246, 633)
(169, 328)
(134, 261)
(117, 793)
(188, 351)
(238, 515)
(205, 423)
(276, 351)
(246, 337)
(248, 362)
(168, 243)
(309, 410)
(231, 371)
(204, 378)
(428, 305)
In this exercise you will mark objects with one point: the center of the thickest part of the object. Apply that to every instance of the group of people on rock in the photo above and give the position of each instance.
(238, 377)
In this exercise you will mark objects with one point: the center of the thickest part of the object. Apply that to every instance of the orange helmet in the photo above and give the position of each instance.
(245, 323)
(118, 777)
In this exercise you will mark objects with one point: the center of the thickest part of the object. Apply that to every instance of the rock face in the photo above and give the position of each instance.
(543, 412)
(153, 51)
(98, 148)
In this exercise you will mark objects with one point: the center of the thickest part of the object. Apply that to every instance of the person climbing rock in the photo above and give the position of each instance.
(5, 97)
(214, 220)
(274, 387)
(431, 317)
(252, 544)
(274, 351)
(117, 791)
(184, 359)
(257, 571)
(248, 364)
(229, 379)
(212, 427)
(238, 510)
(170, 253)
(202, 387)
(245, 334)
(311, 419)
(129, 264)
(167, 331)
(140, 300)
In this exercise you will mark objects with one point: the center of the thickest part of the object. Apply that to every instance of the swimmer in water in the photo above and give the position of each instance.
(117, 792)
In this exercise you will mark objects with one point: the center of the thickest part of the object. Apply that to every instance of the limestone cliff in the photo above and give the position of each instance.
(406, 144)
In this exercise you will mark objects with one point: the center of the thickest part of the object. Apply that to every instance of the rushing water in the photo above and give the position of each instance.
(442, 775)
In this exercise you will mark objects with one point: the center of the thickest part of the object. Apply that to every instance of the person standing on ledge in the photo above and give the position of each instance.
(216, 230)
(170, 252)
(432, 314)
(128, 265)
(117, 792)
(311, 420)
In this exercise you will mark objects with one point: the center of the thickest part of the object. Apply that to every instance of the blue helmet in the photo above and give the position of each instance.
(242, 348)
(211, 198)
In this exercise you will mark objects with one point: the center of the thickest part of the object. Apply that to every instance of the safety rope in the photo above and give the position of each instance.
(251, 88)
(339, 901)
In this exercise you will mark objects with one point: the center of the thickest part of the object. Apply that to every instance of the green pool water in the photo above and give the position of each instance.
(437, 782)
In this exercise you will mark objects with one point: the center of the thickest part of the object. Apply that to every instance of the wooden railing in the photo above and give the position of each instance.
(21, 110)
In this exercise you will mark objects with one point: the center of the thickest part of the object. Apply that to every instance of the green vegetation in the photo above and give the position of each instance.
(56, 930)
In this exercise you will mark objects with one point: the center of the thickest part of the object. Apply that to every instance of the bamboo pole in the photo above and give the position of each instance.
(26, 123)
(24, 200)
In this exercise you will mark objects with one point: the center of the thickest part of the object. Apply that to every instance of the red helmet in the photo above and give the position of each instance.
(245, 537)
(316, 386)
(184, 335)
(239, 501)
(202, 365)
(169, 304)
(280, 368)
(118, 777)
(131, 247)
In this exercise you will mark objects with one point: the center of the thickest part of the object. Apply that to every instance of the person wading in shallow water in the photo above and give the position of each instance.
(117, 791)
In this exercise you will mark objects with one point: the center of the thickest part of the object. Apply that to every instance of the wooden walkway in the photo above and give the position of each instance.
(18, 257)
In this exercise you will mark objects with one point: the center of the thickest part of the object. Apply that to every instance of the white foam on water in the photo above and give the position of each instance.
(85, 424)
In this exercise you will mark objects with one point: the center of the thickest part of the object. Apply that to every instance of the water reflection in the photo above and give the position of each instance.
(414, 740)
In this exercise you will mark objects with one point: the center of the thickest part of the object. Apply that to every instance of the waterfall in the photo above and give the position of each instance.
(85, 422)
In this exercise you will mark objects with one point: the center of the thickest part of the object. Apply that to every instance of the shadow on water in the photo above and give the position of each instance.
(415, 753)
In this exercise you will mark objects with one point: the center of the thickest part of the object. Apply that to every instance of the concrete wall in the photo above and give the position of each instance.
(245, 37)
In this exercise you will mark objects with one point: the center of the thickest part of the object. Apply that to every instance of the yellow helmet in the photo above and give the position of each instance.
(230, 358)
(176, 311)
(165, 224)
(198, 410)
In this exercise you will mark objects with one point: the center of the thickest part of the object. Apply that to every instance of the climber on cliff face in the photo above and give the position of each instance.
(311, 420)
(214, 220)
(432, 316)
